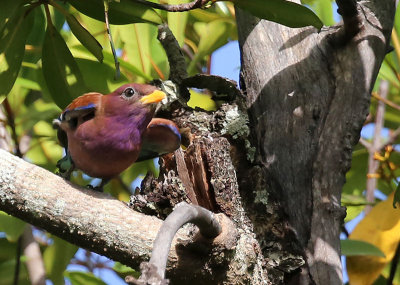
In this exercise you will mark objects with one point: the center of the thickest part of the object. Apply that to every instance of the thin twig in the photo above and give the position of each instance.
(116, 62)
(365, 143)
(11, 123)
(186, 50)
(386, 101)
(183, 213)
(175, 8)
(372, 163)
(392, 138)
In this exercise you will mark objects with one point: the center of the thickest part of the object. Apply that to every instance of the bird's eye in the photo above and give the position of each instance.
(129, 92)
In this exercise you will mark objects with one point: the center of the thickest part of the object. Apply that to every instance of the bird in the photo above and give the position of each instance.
(104, 134)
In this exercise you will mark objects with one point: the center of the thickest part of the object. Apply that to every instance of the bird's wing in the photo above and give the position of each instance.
(162, 136)
(81, 107)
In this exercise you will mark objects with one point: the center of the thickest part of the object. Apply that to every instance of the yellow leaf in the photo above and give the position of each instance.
(381, 227)
(201, 100)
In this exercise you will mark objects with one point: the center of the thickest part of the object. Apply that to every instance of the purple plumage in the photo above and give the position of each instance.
(105, 132)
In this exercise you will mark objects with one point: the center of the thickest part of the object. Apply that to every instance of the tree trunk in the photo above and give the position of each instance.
(274, 162)
(307, 98)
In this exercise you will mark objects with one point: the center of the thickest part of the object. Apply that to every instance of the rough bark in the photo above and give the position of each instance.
(307, 98)
(100, 223)
(205, 174)
(276, 173)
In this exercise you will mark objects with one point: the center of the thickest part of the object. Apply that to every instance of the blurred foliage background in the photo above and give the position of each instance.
(53, 51)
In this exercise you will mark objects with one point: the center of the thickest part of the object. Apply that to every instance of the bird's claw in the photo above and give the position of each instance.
(65, 167)
(95, 188)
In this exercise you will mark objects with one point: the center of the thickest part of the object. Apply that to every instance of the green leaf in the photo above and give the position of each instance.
(214, 35)
(61, 73)
(83, 278)
(387, 73)
(6, 276)
(136, 39)
(396, 198)
(85, 37)
(158, 57)
(80, 51)
(103, 79)
(27, 83)
(97, 28)
(280, 11)
(56, 258)
(324, 11)
(123, 270)
(36, 112)
(12, 226)
(12, 48)
(177, 22)
(8, 8)
(57, 16)
(356, 177)
(36, 36)
(120, 13)
(397, 22)
(357, 247)
(8, 249)
(204, 15)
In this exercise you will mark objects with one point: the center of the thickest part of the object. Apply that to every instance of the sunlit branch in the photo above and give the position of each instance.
(365, 143)
(183, 213)
(175, 8)
(375, 144)
(386, 101)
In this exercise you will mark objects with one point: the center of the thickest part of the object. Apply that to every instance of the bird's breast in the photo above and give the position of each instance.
(104, 151)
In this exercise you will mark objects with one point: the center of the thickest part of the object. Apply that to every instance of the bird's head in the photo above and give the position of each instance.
(134, 97)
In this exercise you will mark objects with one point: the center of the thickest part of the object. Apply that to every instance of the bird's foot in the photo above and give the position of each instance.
(100, 187)
(95, 188)
(65, 167)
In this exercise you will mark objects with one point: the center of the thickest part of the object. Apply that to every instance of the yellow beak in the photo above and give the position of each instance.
(154, 97)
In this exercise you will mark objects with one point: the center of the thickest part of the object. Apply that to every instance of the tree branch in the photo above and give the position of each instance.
(182, 214)
(90, 219)
(352, 22)
(365, 143)
(375, 144)
(34, 262)
(153, 272)
(176, 59)
(386, 101)
(116, 62)
(392, 138)
(175, 8)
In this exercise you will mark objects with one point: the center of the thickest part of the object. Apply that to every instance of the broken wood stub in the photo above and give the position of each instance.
(202, 174)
